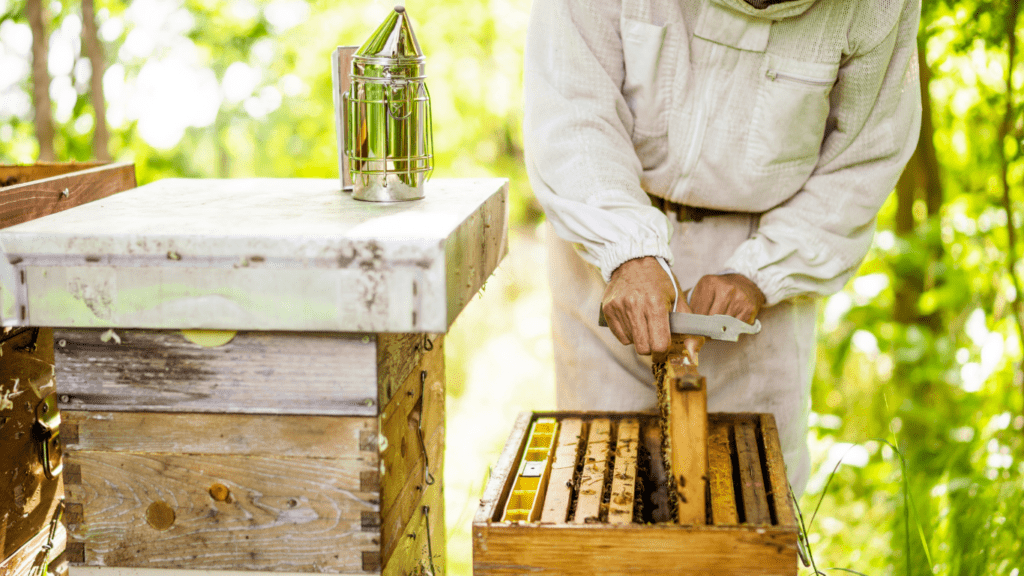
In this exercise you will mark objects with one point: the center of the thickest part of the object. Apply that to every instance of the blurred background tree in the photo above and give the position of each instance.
(917, 402)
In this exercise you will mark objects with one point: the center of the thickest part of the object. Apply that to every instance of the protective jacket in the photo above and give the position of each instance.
(798, 118)
(804, 112)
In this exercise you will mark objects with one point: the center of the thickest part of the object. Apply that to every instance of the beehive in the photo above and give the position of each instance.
(251, 371)
(606, 506)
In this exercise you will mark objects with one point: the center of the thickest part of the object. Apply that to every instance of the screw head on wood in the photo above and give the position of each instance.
(65, 193)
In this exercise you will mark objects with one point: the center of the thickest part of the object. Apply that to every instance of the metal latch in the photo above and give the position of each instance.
(47, 431)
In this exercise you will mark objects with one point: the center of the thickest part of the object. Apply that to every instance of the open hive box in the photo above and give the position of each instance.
(585, 493)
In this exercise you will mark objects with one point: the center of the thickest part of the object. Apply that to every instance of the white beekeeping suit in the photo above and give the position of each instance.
(794, 121)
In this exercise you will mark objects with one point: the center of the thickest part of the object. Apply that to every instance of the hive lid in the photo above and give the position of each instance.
(393, 39)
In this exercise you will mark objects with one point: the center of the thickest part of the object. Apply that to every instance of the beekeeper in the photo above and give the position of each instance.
(742, 147)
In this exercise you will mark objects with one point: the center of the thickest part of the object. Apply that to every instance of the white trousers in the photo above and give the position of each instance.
(767, 372)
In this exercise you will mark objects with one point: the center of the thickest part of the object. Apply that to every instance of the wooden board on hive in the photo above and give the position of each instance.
(745, 542)
(246, 486)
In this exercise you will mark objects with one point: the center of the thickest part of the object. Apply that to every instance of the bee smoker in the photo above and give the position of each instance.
(388, 139)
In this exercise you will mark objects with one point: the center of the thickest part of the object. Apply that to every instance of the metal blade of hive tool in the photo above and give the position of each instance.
(716, 327)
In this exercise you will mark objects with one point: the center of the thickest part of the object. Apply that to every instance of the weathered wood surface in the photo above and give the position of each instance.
(397, 356)
(620, 506)
(688, 427)
(778, 484)
(219, 512)
(27, 497)
(39, 190)
(329, 437)
(115, 571)
(652, 550)
(595, 467)
(259, 254)
(751, 477)
(563, 467)
(409, 478)
(720, 478)
(25, 561)
(11, 174)
(500, 482)
(418, 546)
(256, 372)
(474, 250)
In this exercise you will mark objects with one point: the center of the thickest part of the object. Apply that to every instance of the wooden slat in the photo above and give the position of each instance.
(723, 492)
(563, 467)
(500, 481)
(688, 396)
(656, 473)
(22, 173)
(755, 502)
(595, 467)
(778, 489)
(30, 200)
(650, 550)
(331, 437)
(255, 373)
(221, 512)
(413, 554)
(414, 407)
(400, 422)
(397, 356)
(620, 506)
(415, 493)
(24, 560)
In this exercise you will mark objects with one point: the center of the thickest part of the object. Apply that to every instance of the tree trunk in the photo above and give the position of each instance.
(919, 181)
(94, 50)
(38, 19)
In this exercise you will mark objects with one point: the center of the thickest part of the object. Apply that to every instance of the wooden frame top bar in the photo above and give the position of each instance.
(257, 254)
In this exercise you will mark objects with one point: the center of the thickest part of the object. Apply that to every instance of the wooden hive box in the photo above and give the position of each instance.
(604, 509)
(31, 490)
(251, 372)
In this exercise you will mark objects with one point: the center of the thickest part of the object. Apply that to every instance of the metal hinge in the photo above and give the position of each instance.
(47, 432)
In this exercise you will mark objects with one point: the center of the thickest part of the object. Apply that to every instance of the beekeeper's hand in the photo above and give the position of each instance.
(636, 304)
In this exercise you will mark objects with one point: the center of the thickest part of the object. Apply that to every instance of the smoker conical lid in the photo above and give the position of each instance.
(394, 38)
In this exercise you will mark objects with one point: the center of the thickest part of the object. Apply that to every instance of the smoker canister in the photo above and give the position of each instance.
(389, 140)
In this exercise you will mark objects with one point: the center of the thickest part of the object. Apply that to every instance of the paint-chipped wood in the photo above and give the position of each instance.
(720, 478)
(328, 437)
(621, 503)
(50, 188)
(563, 467)
(595, 467)
(751, 478)
(256, 373)
(259, 254)
(161, 511)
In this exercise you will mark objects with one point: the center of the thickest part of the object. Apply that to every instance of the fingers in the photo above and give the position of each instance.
(730, 294)
(636, 304)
